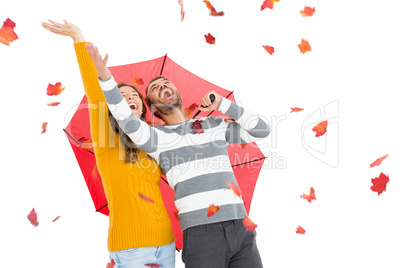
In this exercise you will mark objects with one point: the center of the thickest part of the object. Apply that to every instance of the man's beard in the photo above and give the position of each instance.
(167, 108)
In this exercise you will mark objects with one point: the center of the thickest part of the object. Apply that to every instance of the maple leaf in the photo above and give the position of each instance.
(146, 198)
(181, 10)
(33, 217)
(236, 190)
(44, 125)
(137, 81)
(321, 128)
(378, 161)
(212, 209)
(242, 145)
(296, 110)
(86, 144)
(304, 46)
(267, 4)
(111, 264)
(55, 219)
(53, 104)
(196, 126)
(154, 265)
(311, 196)
(7, 33)
(54, 90)
(249, 224)
(269, 49)
(210, 39)
(212, 10)
(307, 12)
(190, 109)
(380, 183)
(300, 230)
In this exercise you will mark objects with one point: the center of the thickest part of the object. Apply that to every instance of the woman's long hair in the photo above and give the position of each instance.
(131, 154)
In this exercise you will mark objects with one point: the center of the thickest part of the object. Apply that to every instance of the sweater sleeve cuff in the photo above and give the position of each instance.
(224, 105)
(108, 84)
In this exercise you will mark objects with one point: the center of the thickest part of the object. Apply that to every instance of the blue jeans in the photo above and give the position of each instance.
(138, 257)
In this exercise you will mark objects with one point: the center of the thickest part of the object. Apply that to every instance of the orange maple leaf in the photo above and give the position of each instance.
(54, 90)
(33, 217)
(212, 210)
(181, 10)
(268, 4)
(44, 125)
(307, 12)
(304, 46)
(296, 110)
(146, 198)
(212, 10)
(7, 33)
(269, 49)
(111, 264)
(249, 224)
(236, 190)
(137, 81)
(380, 183)
(242, 145)
(86, 144)
(378, 161)
(190, 109)
(311, 196)
(55, 219)
(210, 39)
(53, 104)
(321, 128)
(300, 230)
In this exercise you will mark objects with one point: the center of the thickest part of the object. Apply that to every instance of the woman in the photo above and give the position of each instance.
(140, 232)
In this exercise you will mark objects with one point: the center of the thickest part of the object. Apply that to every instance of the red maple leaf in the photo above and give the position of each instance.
(44, 125)
(146, 198)
(378, 161)
(236, 190)
(300, 230)
(212, 10)
(33, 217)
(154, 265)
(307, 12)
(110, 264)
(321, 128)
(54, 90)
(267, 4)
(210, 39)
(304, 46)
(181, 10)
(242, 145)
(269, 49)
(311, 196)
(190, 109)
(296, 109)
(249, 224)
(7, 33)
(53, 104)
(196, 126)
(137, 81)
(212, 209)
(55, 219)
(380, 183)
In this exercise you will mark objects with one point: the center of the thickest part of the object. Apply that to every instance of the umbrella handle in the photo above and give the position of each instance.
(212, 99)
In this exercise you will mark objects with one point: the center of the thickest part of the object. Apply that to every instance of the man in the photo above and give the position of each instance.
(193, 155)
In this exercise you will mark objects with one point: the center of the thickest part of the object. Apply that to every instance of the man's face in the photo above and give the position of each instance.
(133, 99)
(164, 96)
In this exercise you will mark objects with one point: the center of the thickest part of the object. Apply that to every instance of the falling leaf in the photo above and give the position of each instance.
(137, 81)
(7, 33)
(268, 4)
(269, 49)
(155, 265)
(212, 210)
(53, 104)
(86, 144)
(181, 10)
(146, 198)
(33, 217)
(197, 127)
(190, 109)
(321, 128)
(378, 161)
(380, 183)
(55, 219)
(212, 10)
(44, 125)
(210, 39)
(111, 264)
(236, 190)
(300, 230)
(242, 145)
(307, 12)
(249, 224)
(54, 90)
(311, 196)
(304, 46)
(296, 110)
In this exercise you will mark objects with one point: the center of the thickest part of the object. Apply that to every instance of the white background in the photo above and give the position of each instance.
(354, 65)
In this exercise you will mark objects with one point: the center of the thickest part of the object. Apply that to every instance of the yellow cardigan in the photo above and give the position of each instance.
(133, 222)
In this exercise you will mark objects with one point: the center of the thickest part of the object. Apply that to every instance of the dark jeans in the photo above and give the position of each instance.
(220, 245)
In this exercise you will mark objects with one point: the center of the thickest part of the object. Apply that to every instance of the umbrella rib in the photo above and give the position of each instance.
(101, 207)
(163, 64)
(76, 140)
(255, 160)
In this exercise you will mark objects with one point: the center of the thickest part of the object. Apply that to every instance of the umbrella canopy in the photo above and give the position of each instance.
(246, 159)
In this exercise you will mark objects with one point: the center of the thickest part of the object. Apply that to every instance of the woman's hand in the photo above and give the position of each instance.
(66, 29)
(100, 64)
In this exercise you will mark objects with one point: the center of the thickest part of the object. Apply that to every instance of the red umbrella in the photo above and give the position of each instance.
(246, 159)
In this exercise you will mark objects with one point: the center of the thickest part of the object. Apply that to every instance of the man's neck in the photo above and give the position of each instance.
(176, 117)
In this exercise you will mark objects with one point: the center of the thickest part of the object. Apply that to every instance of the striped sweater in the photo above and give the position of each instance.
(197, 166)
